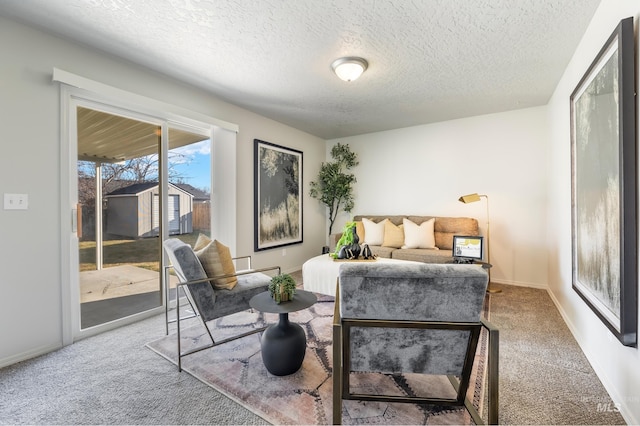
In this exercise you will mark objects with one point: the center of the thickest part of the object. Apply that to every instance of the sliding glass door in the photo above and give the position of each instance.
(133, 189)
(189, 206)
(134, 172)
(119, 252)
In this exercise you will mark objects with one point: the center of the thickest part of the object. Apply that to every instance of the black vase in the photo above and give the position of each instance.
(356, 239)
(366, 252)
(355, 246)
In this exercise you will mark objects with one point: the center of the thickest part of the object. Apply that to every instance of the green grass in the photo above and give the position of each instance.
(143, 252)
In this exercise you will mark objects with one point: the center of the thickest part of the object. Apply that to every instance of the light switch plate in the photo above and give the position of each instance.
(16, 201)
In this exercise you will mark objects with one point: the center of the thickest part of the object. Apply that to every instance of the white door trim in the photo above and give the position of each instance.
(80, 91)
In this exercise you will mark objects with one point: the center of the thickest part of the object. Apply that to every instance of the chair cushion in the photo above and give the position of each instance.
(184, 260)
(188, 268)
(440, 352)
(236, 300)
(211, 303)
(410, 292)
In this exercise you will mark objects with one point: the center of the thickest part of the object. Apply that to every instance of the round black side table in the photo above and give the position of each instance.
(283, 344)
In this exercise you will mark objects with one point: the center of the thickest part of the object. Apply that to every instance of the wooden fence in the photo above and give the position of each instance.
(201, 216)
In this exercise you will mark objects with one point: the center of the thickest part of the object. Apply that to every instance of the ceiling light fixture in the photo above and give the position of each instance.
(349, 68)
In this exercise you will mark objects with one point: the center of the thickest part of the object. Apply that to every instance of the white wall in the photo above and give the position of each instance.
(423, 170)
(617, 366)
(419, 170)
(30, 241)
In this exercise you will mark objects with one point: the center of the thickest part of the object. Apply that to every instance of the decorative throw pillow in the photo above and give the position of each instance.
(373, 232)
(201, 242)
(393, 235)
(360, 231)
(216, 260)
(419, 236)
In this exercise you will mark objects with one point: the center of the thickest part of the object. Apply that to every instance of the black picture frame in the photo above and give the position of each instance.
(603, 186)
(277, 195)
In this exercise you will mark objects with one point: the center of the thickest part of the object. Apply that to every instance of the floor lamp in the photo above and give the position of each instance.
(472, 198)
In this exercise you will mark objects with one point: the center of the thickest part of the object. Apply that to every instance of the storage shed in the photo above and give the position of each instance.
(134, 211)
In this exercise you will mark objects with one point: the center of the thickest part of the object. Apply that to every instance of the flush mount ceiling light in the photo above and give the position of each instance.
(349, 68)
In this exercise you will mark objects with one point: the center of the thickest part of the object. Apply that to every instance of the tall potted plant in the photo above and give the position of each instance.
(334, 187)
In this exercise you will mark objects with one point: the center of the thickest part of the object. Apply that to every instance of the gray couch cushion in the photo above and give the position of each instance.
(380, 251)
(423, 255)
(410, 292)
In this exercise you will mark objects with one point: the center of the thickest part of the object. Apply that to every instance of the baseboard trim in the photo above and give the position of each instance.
(24, 356)
(521, 284)
(625, 411)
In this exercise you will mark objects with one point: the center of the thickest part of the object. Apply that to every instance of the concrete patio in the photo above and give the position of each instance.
(117, 292)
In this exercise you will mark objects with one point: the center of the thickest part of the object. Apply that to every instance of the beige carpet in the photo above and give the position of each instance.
(112, 378)
(545, 377)
(305, 397)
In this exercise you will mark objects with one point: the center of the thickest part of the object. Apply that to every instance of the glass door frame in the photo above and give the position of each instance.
(76, 316)
(114, 100)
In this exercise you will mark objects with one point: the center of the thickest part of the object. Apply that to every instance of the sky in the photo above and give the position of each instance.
(193, 164)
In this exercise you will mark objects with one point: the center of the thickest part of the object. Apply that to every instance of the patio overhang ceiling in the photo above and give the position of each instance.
(108, 138)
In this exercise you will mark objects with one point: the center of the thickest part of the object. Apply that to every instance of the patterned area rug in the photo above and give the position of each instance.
(305, 397)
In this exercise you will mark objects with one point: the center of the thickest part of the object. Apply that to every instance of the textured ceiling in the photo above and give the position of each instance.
(429, 60)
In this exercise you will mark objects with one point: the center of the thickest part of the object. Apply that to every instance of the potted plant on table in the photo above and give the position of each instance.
(348, 247)
(282, 288)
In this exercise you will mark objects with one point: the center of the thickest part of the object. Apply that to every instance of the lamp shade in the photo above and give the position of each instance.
(469, 198)
(349, 68)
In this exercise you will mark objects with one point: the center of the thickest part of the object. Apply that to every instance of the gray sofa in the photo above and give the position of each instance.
(444, 229)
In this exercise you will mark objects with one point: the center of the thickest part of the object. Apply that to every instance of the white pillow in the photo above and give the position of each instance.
(419, 236)
(373, 232)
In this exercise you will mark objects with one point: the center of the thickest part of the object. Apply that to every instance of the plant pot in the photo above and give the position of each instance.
(282, 288)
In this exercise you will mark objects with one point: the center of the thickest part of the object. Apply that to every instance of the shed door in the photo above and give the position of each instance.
(173, 204)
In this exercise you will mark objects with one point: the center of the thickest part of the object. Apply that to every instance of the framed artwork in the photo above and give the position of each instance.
(277, 195)
(603, 186)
